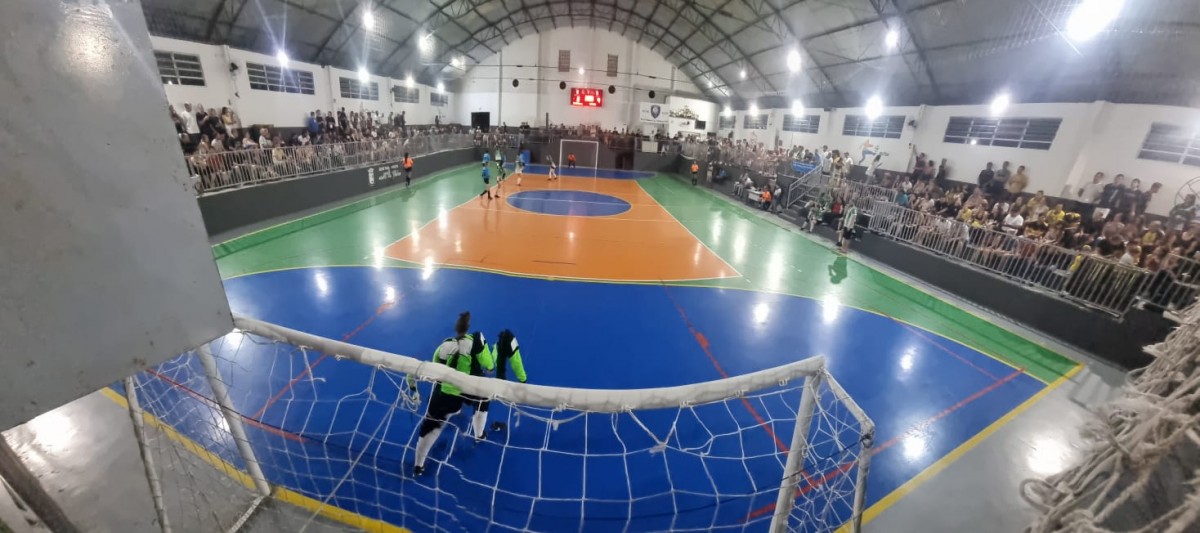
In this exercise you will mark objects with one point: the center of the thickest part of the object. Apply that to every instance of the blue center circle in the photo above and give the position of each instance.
(569, 203)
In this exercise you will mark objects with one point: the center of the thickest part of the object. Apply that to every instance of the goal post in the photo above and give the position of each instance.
(587, 157)
(784, 448)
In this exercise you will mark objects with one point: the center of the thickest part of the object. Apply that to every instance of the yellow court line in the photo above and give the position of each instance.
(946, 460)
(279, 493)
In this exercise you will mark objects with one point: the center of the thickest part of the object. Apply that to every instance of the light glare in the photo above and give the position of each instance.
(793, 60)
(874, 107)
(425, 42)
(728, 111)
(797, 107)
(368, 20)
(1091, 17)
(743, 74)
(441, 87)
(580, 71)
(282, 57)
(363, 75)
(1000, 103)
(754, 110)
(893, 38)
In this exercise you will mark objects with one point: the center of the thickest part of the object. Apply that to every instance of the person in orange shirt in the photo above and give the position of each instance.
(766, 199)
(570, 160)
(695, 169)
(408, 164)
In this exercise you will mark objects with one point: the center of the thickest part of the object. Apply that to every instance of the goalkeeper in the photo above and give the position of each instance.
(466, 353)
(508, 353)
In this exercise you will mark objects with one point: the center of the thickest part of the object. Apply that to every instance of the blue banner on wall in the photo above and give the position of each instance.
(801, 167)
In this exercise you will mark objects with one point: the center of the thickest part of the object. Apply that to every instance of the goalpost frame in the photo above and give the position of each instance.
(812, 370)
(562, 158)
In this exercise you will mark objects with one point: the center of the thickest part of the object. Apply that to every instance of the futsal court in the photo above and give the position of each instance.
(625, 281)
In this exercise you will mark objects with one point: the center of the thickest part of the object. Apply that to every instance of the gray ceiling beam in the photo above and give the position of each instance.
(212, 21)
(833, 31)
(336, 28)
(912, 38)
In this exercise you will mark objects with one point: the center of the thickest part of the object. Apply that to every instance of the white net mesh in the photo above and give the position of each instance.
(1142, 471)
(587, 157)
(335, 440)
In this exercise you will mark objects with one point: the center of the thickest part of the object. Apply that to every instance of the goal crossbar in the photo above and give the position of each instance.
(594, 400)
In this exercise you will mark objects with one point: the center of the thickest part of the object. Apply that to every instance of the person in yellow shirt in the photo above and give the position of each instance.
(1055, 215)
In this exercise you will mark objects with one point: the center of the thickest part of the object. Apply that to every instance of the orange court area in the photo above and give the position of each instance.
(643, 243)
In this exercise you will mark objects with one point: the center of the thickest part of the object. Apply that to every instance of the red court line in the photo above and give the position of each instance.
(307, 370)
(964, 360)
(844, 467)
(249, 421)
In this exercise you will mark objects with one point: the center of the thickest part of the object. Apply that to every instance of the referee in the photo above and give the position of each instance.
(466, 353)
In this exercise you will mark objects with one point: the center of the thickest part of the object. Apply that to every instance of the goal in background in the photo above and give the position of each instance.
(587, 157)
(784, 447)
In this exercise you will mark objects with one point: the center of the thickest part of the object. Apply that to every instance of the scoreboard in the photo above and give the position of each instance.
(581, 97)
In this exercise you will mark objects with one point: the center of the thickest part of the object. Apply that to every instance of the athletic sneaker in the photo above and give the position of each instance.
(418, 470)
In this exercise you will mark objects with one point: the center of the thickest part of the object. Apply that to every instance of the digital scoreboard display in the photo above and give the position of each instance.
(587, 97)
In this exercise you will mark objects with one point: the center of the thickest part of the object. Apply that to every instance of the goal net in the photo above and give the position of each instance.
(586, 154)
(271, 429)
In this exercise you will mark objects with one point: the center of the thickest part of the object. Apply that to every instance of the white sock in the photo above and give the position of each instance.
(424, 444)
(478, 420)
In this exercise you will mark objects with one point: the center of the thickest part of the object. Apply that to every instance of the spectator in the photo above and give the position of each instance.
(1111, 193)
(248, 141)
(1004, 173)
(986, 176)
(312, 124)
(1126, 201)
(189, 120)
(264, 138)
(1013, 222)
(1183, 213)
(1143, 199)
(1089, 193)
(1036, 206)
(943, 175)
(1017, 183)
(1055, 215)
(1132, 253)
(873, 166)
(228, 118)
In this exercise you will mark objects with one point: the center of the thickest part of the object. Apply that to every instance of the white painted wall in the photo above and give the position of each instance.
(223, 88)
(533, 60)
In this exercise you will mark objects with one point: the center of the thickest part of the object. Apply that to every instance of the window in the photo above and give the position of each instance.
(269, 78)
(352, 88)
(725, 123)
(802, 123)
(439, 100)
(1173, 144)
(179, 69)
(1031, 133)
(754, 122)
(564, 61)
(406, 95)
(612, 66)
(886, 127)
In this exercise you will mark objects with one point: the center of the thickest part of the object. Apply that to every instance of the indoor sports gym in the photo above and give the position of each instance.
(409, 266)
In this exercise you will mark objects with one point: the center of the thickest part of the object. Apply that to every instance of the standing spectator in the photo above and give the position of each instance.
(228, 118)
(872, 167)
(343, 121)
(1089, 193)
(1143, 200)
(330, 122)
(943, 175)
(986, 175)
(1182, 214)
(313, 127)
(1017, 183)
(201, 114)
(1112, 192)
(1127, 200)
(403, 123)
(1004, 173)
(189, 120)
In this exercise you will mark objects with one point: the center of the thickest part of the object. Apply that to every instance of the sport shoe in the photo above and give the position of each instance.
(418, 470)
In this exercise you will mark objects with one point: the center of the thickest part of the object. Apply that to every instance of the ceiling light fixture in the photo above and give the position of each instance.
(368, 19)
(728, 110)
(441, 87)
(1091, 17)
(743, 74)
(408, 80)
(797, 107)
(892, 39)
(874, 107)
(754, 109)
(425, 42)
(282, 57)
(580, 71)
(363, 75)
(793, 60)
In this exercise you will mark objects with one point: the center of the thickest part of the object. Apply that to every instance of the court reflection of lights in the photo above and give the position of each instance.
(831, 308)
(915, 447)
(775, 267)
(379, 256)
(739, 247)
(443, 219)
(389, 295)
(762, 311)
(1048, 456)
(427, 271)
(55, 431)
(906, 360)
(322, 282)
(716, 231)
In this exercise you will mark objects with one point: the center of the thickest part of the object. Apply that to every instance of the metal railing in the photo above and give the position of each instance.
(218, 170)
(1174, 285)
(804, 186)
(1080, 277)
(862, 195)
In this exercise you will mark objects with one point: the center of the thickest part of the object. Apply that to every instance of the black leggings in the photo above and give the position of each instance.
(443, 406)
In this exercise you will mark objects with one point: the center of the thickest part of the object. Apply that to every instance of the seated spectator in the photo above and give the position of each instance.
(1013, 222)
(1054, 215)
(764, 199)
(264, 138)
(1036, 206)
(1131, 255)
(1156, 259)
(902, 198)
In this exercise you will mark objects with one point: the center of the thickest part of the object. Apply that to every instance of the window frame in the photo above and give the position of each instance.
(289, 81)
(439, 99)
(411, 95)
(760, 122)
(191, 65)
(1030, 133)
(564, 55)
(357, 90)
(806, 124)
(882, 127)
(1171, 143)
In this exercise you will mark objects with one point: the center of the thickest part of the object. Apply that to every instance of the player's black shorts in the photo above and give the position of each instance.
(442, 405)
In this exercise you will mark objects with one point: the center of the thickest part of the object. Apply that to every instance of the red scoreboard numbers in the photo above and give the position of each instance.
(587, 97)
